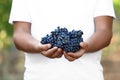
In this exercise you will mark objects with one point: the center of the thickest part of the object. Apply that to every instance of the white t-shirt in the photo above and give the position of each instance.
(47, 15)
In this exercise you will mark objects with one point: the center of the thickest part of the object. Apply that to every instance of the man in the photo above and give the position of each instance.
(33, 19)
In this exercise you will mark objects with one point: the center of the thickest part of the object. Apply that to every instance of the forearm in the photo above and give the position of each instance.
(23, 39)
(102, 35)
(99, 40)
(26, 42)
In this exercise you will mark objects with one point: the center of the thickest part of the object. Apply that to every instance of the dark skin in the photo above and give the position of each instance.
(100, 39)
(25, 42)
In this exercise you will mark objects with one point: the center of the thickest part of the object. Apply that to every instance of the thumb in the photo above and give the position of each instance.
(44, 47)
(84, 45)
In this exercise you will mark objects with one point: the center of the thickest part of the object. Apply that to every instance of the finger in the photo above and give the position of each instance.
(68, 57)
(84, 45)
(50, 52)
(77, 54)
(44, 47)
(58, 53)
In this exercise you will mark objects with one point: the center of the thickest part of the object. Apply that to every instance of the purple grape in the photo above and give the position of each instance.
(62, 38)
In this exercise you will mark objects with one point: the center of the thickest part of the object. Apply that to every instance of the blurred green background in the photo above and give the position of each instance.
(12, 60)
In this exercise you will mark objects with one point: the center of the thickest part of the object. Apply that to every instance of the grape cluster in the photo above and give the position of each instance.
(62, 38)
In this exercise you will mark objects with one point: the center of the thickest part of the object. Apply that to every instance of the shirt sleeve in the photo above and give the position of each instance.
(19, 11)
(104, 8)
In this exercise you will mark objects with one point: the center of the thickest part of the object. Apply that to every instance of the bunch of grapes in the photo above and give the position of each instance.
(62, 38)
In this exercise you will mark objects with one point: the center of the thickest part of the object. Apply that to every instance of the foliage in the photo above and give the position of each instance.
(117, 8)
(6, 31)
(5, 28)
(115, 42)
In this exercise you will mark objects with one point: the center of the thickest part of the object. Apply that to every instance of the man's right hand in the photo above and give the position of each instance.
(54, 52)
